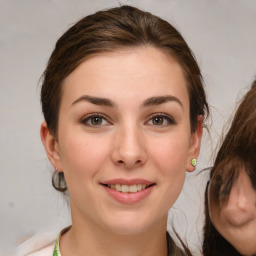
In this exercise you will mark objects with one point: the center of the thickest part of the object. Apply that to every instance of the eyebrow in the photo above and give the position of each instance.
(95, 101)
(158, 100)
(161, 100)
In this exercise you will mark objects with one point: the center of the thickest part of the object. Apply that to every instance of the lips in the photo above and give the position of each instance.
(128, 191)
(128, 188)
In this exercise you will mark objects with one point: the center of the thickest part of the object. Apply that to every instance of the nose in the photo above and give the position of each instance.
(129, 148)
(241, 205)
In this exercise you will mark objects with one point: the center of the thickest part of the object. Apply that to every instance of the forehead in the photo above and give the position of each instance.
(147, 69)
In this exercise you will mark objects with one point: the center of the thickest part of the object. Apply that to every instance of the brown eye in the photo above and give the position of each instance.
(95, 120)
(161, 120)
(158, 120)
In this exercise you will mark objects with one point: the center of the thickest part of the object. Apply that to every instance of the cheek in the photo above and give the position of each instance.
(83, 156)
(171, 154)
(170, 158)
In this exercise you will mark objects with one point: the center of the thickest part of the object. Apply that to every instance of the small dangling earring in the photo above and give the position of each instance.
(193, 162)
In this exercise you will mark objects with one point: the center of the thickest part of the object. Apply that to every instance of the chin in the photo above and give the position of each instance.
(131, 224)
(246, 250)
(244, 247)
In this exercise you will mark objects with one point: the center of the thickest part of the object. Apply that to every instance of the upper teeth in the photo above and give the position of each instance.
(128, 188)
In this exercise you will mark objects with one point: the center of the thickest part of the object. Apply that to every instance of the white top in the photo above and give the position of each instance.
(41, 244)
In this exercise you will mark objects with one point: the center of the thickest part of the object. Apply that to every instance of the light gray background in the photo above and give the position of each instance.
(222, 34)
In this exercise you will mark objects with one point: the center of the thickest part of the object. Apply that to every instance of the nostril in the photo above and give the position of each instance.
(138, 162)
(121, 162)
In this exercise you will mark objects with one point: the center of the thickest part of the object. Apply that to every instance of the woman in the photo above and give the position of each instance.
(124, 105)
(230, 227)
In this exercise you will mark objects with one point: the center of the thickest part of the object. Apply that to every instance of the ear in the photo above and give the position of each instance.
(51, 147)
(195, 141)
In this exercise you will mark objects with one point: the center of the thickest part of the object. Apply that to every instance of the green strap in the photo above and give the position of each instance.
(56, 251)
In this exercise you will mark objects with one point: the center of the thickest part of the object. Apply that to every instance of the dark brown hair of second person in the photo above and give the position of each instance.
(237, 151)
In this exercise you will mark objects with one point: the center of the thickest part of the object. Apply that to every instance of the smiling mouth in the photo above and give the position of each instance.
(134, 188)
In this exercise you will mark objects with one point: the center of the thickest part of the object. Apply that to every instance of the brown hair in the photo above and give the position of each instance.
(237, 152)
(110, 30)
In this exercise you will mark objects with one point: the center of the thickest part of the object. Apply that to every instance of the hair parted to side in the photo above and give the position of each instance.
(236, 153)
(112, 30)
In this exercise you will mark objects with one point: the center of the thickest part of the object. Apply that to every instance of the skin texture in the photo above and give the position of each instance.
(235, 218)
(128, 144)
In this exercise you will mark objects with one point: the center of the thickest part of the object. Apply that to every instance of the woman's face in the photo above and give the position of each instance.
(124, 139)
(235, 216)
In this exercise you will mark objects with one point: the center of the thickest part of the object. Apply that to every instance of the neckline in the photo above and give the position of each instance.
(56, 251)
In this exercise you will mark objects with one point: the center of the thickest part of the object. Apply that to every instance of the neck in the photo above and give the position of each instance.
(85, 238)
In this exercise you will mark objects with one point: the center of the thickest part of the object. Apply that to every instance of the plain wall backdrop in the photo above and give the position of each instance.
(222, 35)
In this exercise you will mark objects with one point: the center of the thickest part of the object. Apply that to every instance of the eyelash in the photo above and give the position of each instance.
(163, 116)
